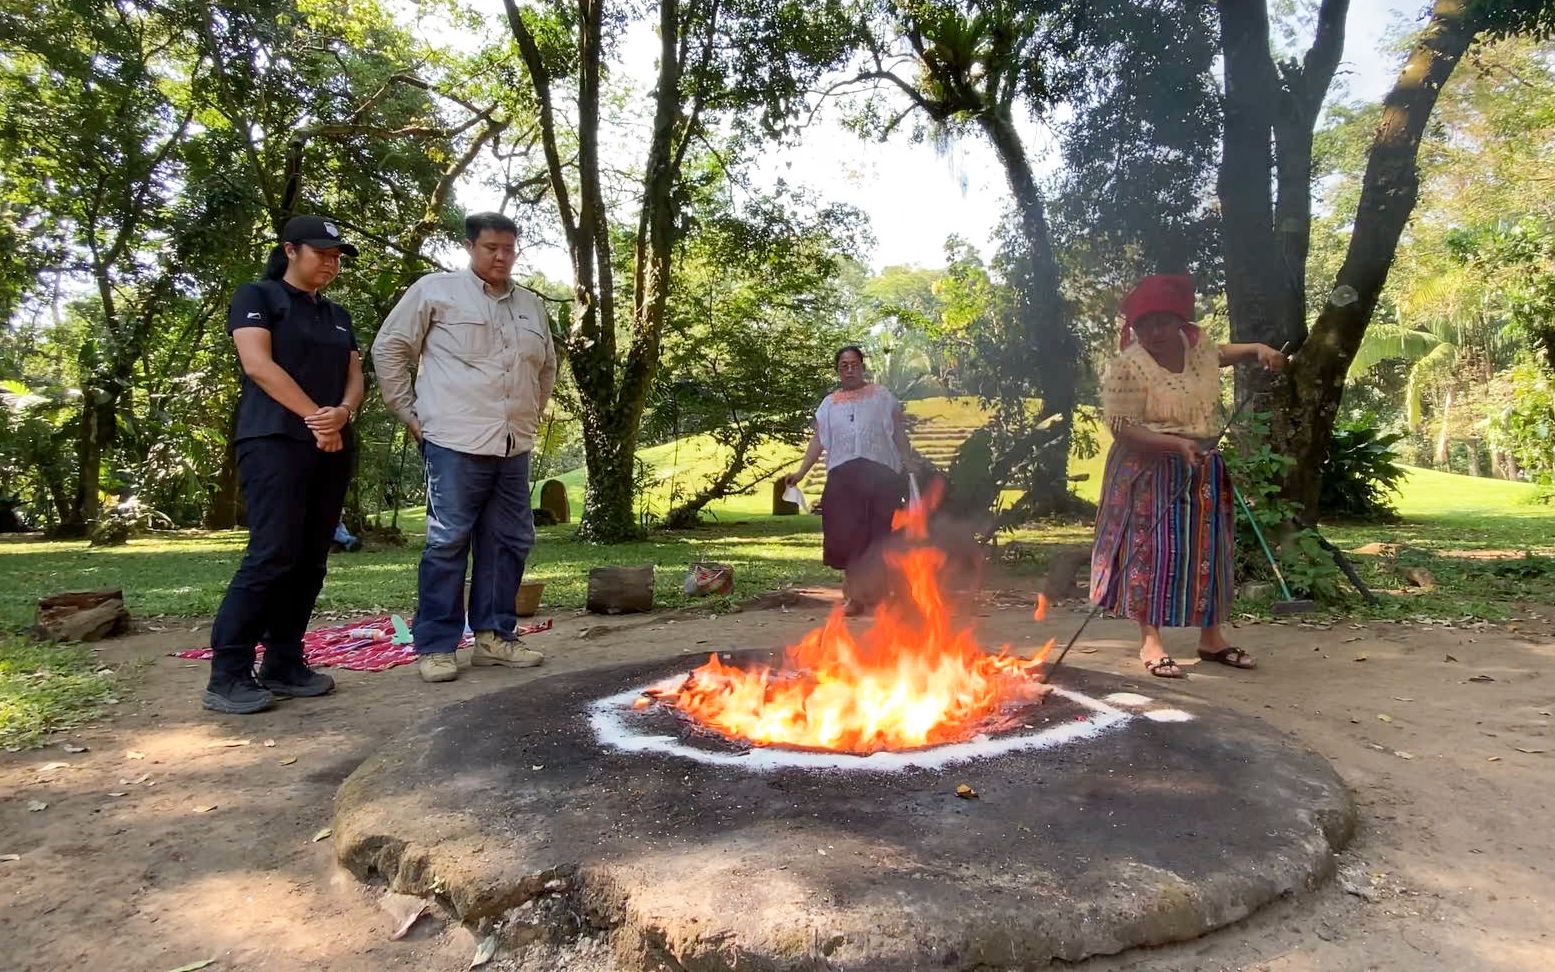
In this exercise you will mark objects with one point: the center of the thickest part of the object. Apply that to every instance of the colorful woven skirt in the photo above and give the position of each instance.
(1172, 570)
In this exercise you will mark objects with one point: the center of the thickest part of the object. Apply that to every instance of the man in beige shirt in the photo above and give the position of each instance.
(484, 364)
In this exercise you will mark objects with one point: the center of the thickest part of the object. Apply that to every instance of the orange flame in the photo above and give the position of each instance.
(1040, 614)
(913, 678)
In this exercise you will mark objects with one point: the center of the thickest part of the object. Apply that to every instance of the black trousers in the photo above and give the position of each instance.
(293, 493)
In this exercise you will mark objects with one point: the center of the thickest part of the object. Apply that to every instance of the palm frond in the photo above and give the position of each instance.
(1386, 343)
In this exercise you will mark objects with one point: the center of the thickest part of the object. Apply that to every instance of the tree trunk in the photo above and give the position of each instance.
(1055, 353)
(97, 416)
(1476, 469)
(1309, 398)
(1271, 112)
(1257, 291)
(612, 394)
(610, 454)
(1440, 458)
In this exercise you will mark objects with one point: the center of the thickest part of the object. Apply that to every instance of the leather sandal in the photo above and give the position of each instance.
(1165, 667)
(1232, 657)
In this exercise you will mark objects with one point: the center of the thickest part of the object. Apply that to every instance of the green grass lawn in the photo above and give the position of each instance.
(1470, 533)
(185, 573)
(44, 688)
(685, 465)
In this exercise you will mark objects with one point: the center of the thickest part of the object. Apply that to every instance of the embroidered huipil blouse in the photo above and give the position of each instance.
(859, 424)
(1136, 390)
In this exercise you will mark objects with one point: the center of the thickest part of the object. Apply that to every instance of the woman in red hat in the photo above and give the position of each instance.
(1164, 553)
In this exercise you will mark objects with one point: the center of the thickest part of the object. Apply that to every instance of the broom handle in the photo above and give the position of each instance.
(1258, 532)
(1236, 413)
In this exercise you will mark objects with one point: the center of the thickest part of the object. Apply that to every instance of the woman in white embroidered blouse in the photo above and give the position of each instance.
(1165, 538)
(862, 429)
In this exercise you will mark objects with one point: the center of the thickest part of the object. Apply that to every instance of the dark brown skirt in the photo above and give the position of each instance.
(856, 508)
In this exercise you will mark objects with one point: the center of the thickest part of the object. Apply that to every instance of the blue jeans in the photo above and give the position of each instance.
(476, 504)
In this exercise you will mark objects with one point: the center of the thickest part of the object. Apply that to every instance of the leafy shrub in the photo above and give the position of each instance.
(1526, 427)
(1362, 472)
(1255, 469)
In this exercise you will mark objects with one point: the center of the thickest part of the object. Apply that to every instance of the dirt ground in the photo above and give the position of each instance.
(180, 836)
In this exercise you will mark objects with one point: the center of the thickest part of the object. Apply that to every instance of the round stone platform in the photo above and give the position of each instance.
(1121, 814)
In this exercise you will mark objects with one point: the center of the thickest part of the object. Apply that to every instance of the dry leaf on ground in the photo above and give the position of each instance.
(322, 834)
(484, 950)
(404, 909)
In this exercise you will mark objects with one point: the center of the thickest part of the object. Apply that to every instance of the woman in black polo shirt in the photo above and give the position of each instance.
(302, 385)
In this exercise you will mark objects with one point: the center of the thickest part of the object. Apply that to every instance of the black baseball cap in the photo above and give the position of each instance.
(316, 231)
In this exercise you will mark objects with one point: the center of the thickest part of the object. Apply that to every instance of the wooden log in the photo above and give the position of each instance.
(82, 616)
(553, 498)
(620, 590)
(1062, 580)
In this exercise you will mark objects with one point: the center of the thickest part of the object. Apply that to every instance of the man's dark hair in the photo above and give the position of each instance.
(475, 223)
(837, 358)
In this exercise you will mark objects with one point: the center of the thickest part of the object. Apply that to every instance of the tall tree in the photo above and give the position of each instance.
(975, 64)
(754, 318)
(743, 64)
(148, 153)
(1271, 108)
(1309, 400)
(95, 122)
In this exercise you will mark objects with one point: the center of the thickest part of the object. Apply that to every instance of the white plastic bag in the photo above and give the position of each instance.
(914, 498)
(795, 496)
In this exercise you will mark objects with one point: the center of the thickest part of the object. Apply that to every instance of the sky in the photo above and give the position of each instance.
(916, 197)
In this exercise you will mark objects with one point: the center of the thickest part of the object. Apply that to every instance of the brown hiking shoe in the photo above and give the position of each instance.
(493, 649)
(439, 667)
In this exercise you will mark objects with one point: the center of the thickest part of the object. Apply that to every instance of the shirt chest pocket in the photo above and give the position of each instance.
(461, 335)
(532, 342)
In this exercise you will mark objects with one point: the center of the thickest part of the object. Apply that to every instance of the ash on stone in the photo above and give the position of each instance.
(1150, 832)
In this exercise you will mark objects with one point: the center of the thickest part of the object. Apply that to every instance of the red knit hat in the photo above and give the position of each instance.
(1163, 293)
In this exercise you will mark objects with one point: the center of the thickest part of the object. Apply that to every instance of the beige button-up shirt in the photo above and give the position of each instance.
(484, 366)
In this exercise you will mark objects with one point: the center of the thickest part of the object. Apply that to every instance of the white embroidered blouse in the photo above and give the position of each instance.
(1136, 390)
(859, 424)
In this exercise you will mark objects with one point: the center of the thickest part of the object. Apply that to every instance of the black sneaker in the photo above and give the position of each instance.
(237, 695)
(293, 679)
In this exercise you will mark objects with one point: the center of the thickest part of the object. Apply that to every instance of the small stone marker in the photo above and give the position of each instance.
(621, 590)
(553, 498)
(1060, 584)
(781, 506)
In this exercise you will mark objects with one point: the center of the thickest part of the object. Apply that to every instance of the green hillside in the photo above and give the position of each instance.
(940, 425)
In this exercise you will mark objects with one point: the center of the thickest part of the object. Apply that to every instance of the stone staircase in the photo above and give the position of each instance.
(934, 440)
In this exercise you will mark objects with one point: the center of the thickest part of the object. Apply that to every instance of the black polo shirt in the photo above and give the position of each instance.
(310, 338)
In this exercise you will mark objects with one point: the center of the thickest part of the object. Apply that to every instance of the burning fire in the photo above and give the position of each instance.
(913, 678)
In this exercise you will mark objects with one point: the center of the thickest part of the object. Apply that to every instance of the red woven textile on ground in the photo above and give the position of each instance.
(344, 646)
